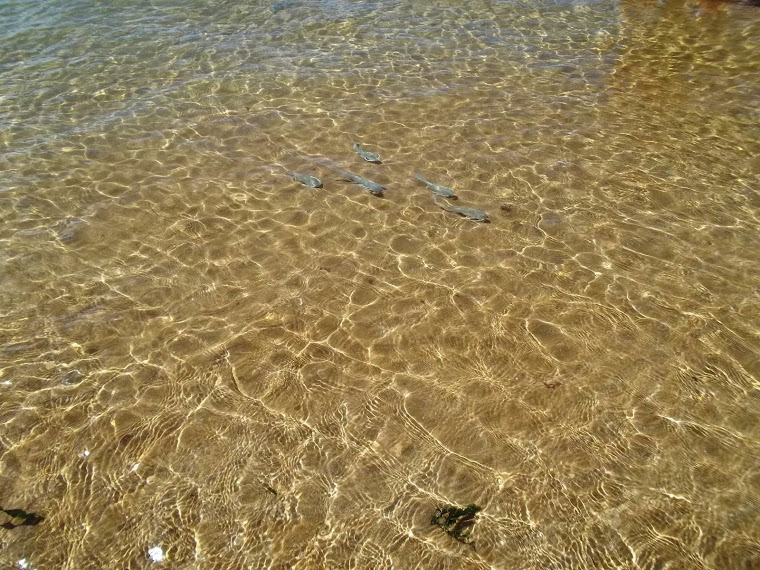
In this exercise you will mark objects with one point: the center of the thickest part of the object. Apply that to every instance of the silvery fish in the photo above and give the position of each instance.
(373, 187)
(469, 213)
(366, 155)
(437, 188)
(310, 181)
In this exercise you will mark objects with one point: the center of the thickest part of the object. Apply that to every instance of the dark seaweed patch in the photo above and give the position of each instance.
(27, 519)
(456, 522)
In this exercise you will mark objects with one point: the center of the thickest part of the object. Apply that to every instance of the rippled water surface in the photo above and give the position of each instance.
(201, 355)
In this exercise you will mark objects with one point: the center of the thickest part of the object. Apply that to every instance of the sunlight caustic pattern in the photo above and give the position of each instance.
(206, 364)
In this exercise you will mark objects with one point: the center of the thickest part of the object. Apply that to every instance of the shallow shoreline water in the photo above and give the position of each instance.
(200, 355)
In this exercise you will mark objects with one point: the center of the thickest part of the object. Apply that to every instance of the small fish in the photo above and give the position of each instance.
(469, 213)
(366, 155)
(283, 5)
(437, 188)
(373, 187)
(310, 181)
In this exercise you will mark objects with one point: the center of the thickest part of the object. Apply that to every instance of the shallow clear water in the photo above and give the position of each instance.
(200, 354)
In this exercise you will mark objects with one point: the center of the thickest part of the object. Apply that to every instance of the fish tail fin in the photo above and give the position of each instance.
(280, 167)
